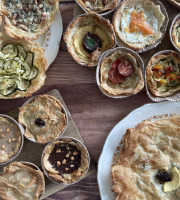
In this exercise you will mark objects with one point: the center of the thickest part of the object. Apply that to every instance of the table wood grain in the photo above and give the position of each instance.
(94, 114)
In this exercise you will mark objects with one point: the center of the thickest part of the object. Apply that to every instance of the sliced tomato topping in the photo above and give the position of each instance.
(114, 76)
(116, 63)
(125, 68)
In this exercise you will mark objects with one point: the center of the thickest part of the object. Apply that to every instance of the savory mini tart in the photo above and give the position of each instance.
(44, 118)
(120, 74)
(22, 67)
(176, 34)
(65, 160)
(10, 139)
(163, 74)
(137, 23)
(98, 6)
(87, 37)
(176, 3)
(148, 166)
(27, 19)
(21, 181)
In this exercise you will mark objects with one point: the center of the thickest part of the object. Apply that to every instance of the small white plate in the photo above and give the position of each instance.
(115, 136)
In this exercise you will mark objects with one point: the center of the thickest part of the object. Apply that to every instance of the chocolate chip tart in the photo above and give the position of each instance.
(65, 160)
(27, 19)
(87, 37)
(22, 67)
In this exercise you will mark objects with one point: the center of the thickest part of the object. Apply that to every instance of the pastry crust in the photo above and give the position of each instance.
(98, 6)
(176, 34)
(48, 109)
(91, 21)
(20, 181)
(40, 63)
(151, 146)
(152, 83)
(130, 85)
(136, 40)
(175, 3)
(66, 177)
(15, 32)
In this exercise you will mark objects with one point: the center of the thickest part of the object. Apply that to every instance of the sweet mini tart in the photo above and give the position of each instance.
(11, 139)
(99, 6)
(148, 165)
(27, 19)
(176, 33)
(175, 3)
(21, 181)
(120, 72)
(65, 161)
(162, 74)
(44, 118)
(22, 67)
(87, 37)
(138, 23)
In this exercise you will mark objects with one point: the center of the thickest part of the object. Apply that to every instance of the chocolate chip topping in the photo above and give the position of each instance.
(65, 158)
(40, 122)
(91, 42)
(163, 177)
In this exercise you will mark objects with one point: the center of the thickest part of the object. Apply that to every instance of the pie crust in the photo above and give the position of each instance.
(153, 18)
(151, 146)
(40, 63)
(130, 85)
(48, 109)
(67, 178)
(20, 181)
(152, 83)
(175, 3)
(175, 34)
(78, 28)
(15, 32)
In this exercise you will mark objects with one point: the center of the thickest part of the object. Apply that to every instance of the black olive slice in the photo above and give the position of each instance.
(91, 42)
(163, 177)
(40, 122)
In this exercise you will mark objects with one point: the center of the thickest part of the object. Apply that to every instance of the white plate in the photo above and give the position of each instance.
(115, 136)
(50, 40)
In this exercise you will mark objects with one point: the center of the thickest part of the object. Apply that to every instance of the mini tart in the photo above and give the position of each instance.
(10, 139)
(148, 149)
(176, 34)
(20, 181)
(28, 19)
(81, 26)
(99, 6)
(175, 3)
(44, 119)
(137, 23)
(130, 85)
(27, 65)
(163, 75)
(65, 160)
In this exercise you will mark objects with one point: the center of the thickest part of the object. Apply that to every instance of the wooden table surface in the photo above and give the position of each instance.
(94, 114)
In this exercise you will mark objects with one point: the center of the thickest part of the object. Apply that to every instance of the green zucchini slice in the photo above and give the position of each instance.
(11, 66)
(23, 84)
(33, 74)
(21, 51)
(27, 70)
(8, 87)
(1, 63)
(11, 50)
(29, 59)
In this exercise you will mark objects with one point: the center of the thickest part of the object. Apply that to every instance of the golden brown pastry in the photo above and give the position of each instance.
(87, 37)
(20, 181)
(175, 3)
(27, 19)
(98, 6)
(120, 74)
(176, 34)
(66, 160)
(148, 167)
(44, 118)
(22, 67)
(137, 23)
(163, 74)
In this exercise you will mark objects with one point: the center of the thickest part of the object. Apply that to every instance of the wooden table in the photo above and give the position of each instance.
(94, 114)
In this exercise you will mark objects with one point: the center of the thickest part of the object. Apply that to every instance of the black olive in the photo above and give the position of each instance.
(104, 2)
(91, 42)
(163, 177)
(40, 122)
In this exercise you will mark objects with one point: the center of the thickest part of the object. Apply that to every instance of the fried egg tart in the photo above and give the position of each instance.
(120, 74)
(176, 34)
(27, 19)
(22, 67)
(98, 6)
(137, 23)
(163, 74)
(176, 3)
(65, 160)
(20, 181)
(44, 118)
(148, 166)
(87, 37)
